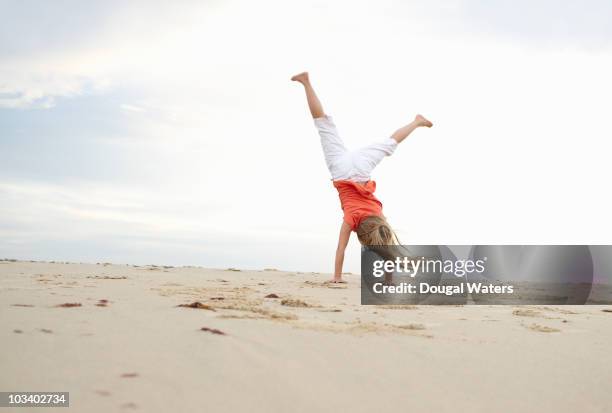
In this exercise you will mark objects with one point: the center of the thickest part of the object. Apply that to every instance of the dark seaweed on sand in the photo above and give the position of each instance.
(197, 304)
(213, 331)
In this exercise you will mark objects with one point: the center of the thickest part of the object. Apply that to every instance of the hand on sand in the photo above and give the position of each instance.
(422, 121)
(336, 281)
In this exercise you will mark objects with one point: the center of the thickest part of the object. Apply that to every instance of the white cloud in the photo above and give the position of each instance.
(544, 23)
(37, 81)
(132, 108)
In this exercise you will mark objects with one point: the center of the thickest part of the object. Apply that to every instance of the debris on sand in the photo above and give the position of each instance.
(290, 302)
(69, 305)
(17, 331)
(108, 277)
(217, 298)
(213, 331)
(197, 304)
(129, 375)
(233, 269)
(607, 310)
(22, 305)
(46, 330)
(272, 296)
(102, 303)
(412, 326)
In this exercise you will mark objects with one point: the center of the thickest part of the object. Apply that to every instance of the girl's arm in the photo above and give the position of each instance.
(343, 239)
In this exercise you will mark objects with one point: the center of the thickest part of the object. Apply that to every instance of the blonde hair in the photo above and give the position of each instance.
(375, 230)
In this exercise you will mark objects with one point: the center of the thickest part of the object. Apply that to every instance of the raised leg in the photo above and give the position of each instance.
(403, 132)
(314, 104)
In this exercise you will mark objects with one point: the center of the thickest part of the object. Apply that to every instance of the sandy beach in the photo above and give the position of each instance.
(118, 339)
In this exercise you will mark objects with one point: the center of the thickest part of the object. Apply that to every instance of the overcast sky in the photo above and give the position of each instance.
(169, 133)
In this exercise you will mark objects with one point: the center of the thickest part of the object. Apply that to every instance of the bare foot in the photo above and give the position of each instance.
(422, 121)
(300, 77)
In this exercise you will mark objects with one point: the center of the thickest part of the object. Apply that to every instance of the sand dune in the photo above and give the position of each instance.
(158, 339)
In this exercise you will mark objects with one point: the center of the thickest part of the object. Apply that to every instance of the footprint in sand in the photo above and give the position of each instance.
(526, 313)
(539, 312)
(360, 328)
(557, 310)
(542, 329)
(398, 307)
(326, 284)
(171, 285)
